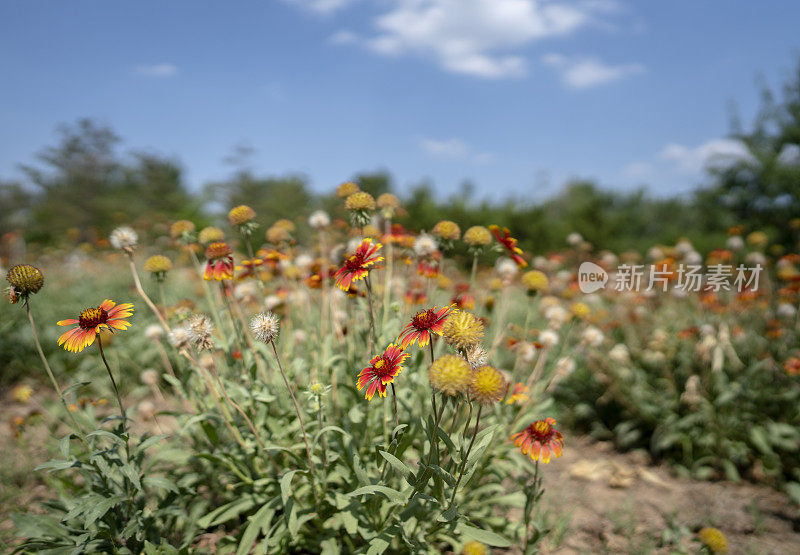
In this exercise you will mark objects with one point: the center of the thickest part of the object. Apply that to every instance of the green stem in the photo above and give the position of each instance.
(466, 457)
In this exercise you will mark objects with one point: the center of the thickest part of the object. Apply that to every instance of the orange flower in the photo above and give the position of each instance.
(220, 262)
(381, 371)
(540, 439)
(518, 394)
(357, 265)
(109, 316)
(510, 244)
(422, 325)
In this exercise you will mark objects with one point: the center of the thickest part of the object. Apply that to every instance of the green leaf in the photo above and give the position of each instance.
(113, 437)
(286, 485)
(396, 463)
(793, 491)
(147, 443)
(56, 465)
(330, 429)
(259, 522)
(391, 494)
(226, 512)
(100, 507)
(160, 482)
(483, 536)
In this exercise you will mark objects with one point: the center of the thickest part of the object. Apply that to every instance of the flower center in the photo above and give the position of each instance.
(381, 368)
(541, 429)
(423, 320)
(92, 317)
(354, 262)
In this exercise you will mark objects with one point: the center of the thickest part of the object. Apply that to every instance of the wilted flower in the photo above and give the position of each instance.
(265, 326)
(124, 238)
(199, 329)
(179, 338)
(450, 375)
(540, 440)
(381, 371)
(488, 386)
(477, 356)
(462, 330)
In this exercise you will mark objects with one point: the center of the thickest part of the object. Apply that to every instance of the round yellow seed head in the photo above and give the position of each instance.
(714, 540)
(474, 548)
(450, 374)
(477, 236)
(360, 201)
(346, 189)
(158, 263)
(25, 279)
(580, 310)
(277, 234)
(447, 230)
(488, 385)
(210, 235)
(180, 228)
(241, 215)
(534, 280)
(285, 224)
(462, 330)
(757, 239)
(388, 200)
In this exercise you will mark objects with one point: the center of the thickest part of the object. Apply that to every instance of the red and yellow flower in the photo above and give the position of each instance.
(422, 325)
(357, 265)
(109, 316)
(220, 262)
(382, 370)
(540, 440)
(510, 244)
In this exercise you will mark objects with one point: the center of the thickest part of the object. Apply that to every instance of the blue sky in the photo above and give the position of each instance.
(515, 95)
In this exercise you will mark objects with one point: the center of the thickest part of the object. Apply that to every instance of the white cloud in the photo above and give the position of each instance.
(710, 154)
(343, 37)
(478, 37)
(637, 171)
(582, 73)
(157, 70)
(453, 150)
(322, 6)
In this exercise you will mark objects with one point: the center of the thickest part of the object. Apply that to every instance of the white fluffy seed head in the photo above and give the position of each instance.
(425, 245)
(477, 356)
(199, 329)
(123, 238)
(179, 338)
(154, 332)
(149, 377)
(265, 326)
(319, 219)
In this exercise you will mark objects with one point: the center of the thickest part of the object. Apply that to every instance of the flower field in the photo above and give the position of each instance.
(341, 384)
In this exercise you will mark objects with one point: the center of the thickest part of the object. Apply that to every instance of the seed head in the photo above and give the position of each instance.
(25, 280)
(714, 539)
(462, 330)
(158, 264)
(181, 229)
(535, 281)
(477, 236)
(265, 326)
(124, 238)
(360, 201)
(319, 219)
(488, 385)
(346, 189)
(210, 235)
(241, 214)
(199, 329)
(447, 230)
(450, 374)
